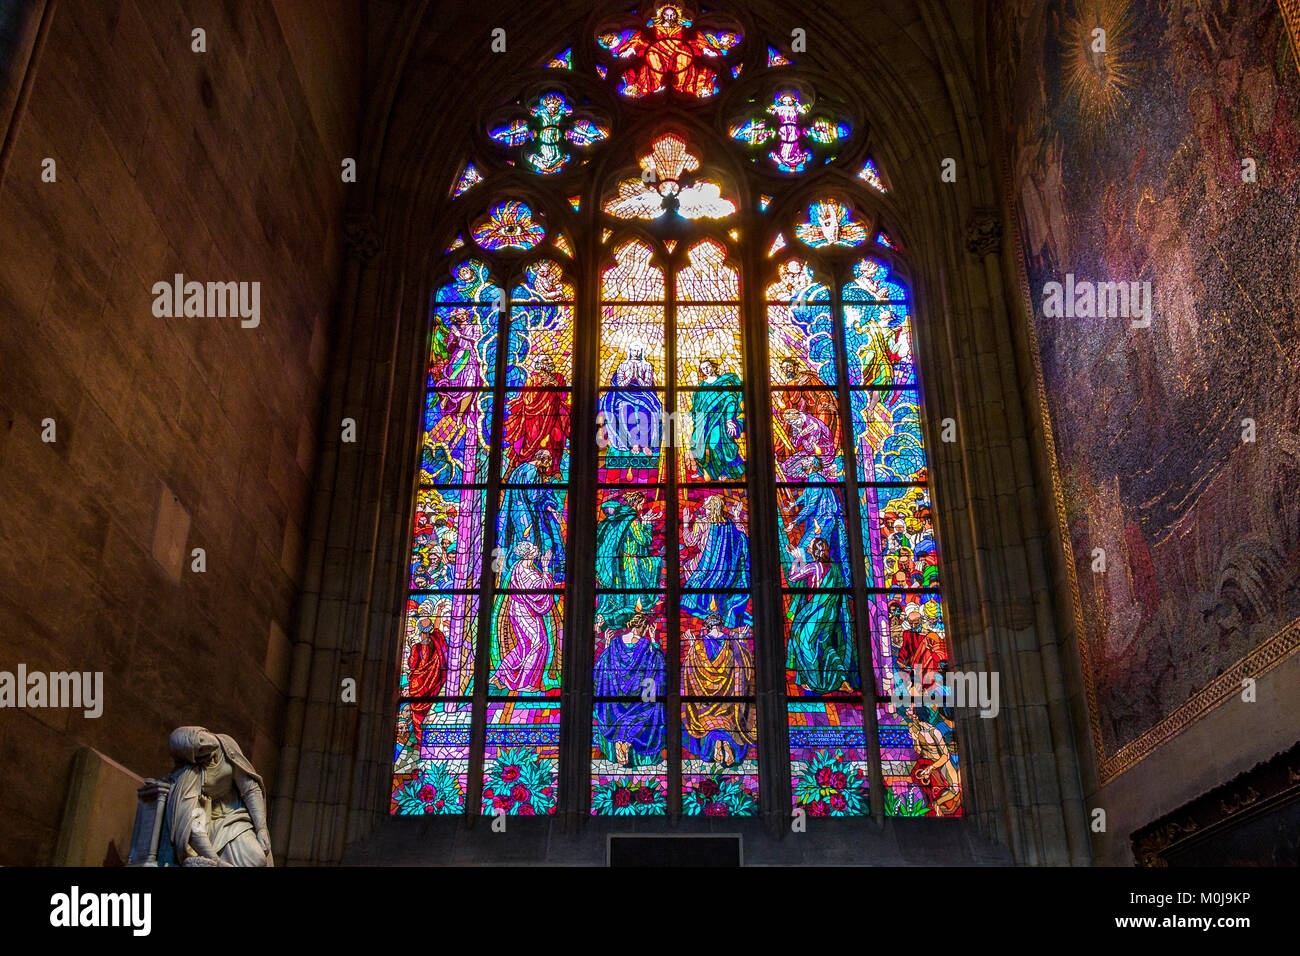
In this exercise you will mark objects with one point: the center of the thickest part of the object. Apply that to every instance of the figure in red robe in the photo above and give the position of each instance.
(539, 419)
(671, 51)
(817, 399)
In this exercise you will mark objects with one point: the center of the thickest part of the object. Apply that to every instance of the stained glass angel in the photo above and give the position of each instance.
(549, 126)
(787, 124)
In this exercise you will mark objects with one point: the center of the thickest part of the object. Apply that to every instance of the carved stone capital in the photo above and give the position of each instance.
(984, 232)
(360, 238)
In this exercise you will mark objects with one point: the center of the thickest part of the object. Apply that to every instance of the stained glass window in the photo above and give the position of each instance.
(674, 671)
(734, 441)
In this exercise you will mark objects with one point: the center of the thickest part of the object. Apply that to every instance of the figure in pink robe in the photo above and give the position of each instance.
(525, 626)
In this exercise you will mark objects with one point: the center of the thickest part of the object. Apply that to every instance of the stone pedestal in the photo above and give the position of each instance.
(149, 817)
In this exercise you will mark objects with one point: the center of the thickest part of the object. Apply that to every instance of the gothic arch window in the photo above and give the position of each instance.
(673, 544)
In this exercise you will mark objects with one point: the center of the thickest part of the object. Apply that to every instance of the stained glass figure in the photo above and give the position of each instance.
(447, 539)
(870, 175)
(898, 529)
(807, 514)
(719, 718)
(473, 283)
(717, 651)
(561, 61)
(669, 52)
(537, 424)
(527, 629)
(919, 761)
(462, 346)
(882, 239)
(774, 57)
(542, 135)
(456, 243)
(441, 632)
(830, 223)
(879, 340)
(821, 655)
(468, 179)
(872, 283)
(801, 330)
(663, 187)
(806, 434)
(910, 648)
(538, 516)
(629, 732)
(457, 433)
(714, 551)
(711, 420)
(789, 128)
(509, 225)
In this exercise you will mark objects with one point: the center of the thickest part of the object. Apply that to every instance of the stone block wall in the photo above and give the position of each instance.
(170, 434)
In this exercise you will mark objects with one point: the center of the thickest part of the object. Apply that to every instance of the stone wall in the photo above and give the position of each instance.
(170, 434)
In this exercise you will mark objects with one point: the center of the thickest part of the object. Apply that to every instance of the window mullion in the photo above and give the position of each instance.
(487, 585)
(672, 536)
(857, 559)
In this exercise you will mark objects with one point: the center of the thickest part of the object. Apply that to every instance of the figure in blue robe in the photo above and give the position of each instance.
(534, 515)
(630, 733)
(722, 564)
(625, 559)
(818, 511)
(633, 419)
(717, 422)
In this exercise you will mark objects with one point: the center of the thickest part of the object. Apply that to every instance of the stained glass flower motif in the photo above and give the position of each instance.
(830, 223)
(663, 187)
(509, 225)
(541, 137)
(793, 134)
(668, 52)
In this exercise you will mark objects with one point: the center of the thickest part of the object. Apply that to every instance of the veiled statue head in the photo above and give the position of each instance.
(193, 745)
